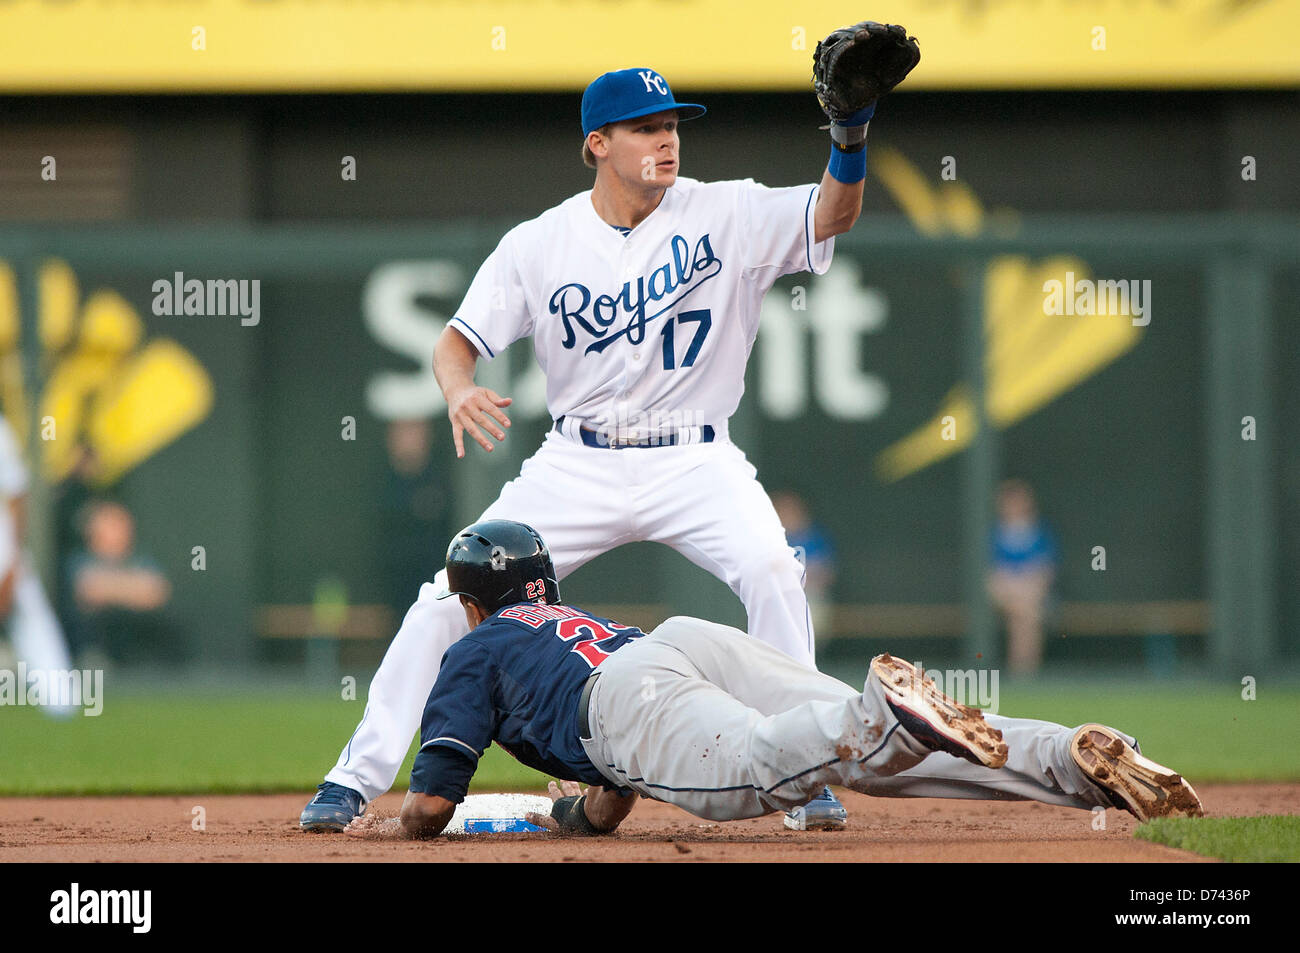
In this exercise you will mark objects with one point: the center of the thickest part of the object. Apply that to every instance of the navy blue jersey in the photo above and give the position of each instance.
(515, 680)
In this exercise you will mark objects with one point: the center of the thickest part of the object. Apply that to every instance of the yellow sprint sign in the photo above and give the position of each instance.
(1031, 358)
(267, 45)
(107, 388)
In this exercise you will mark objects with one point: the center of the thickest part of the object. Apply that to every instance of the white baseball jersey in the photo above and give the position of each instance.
(663, 317)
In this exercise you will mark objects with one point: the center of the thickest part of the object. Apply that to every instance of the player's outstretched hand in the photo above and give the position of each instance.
(556, 791)
(373, 827)
(603, 809)
(475, 407)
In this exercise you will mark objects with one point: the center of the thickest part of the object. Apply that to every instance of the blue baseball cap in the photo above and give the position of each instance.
(627, 94)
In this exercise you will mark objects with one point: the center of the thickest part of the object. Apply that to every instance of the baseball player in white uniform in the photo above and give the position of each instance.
(34, 630)
(642, 298)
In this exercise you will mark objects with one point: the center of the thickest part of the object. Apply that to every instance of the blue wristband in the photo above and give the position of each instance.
(848, 167)
(860, 117)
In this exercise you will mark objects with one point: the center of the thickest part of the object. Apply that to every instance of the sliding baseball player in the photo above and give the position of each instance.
(702, 716)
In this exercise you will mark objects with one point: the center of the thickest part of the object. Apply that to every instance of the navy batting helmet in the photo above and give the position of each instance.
(498, 563)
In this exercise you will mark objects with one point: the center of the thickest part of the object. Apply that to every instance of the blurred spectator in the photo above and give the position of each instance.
(1024, 565)
(119, 594)
(816, 552)
(416, 510)
(72, 500)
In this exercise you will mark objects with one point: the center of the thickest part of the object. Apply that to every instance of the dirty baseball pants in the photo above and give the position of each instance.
(701, 716)
(702, 499)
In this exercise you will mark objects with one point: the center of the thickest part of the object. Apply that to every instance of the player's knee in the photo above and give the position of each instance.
(769, 570)
(769, 766)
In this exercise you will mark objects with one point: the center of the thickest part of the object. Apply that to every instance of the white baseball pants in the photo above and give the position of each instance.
(699, 715)
(704, 500)
(34, 629)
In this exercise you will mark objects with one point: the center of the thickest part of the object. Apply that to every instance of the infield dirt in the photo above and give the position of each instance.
(264, 828)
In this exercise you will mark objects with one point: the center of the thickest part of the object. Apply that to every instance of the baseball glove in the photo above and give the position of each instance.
(856, 65)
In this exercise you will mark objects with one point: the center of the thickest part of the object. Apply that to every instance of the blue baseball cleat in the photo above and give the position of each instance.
(332, 808)
(822, 813)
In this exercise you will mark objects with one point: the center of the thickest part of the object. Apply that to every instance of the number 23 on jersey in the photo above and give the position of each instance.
(589, 634)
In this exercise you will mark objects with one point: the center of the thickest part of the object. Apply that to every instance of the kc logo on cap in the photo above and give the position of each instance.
(628, 94)
(653, 79)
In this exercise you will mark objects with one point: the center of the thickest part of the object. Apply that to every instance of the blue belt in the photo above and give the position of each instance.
(594, 438)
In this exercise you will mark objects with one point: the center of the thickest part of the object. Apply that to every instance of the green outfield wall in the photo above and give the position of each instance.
(892, 394)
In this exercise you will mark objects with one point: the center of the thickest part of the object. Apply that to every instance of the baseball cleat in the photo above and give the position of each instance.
(935, 720)
(1132, 781)
(822, 813)
(332, 808)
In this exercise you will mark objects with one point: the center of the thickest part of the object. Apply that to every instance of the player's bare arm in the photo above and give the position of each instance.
(471, 409)
(422, 816)
(7, 591)
(18, 510)
(607, 808)
(838, 207)
(425, 815)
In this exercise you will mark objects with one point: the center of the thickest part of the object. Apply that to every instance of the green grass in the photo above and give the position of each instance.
(1206, 732)
(185, 744)
(170, 743)
(1242, 839)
